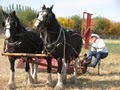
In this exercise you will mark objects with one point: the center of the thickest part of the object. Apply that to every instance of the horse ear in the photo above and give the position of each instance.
(51, 7)
(44, 7)
(14, 13)
(5, 14)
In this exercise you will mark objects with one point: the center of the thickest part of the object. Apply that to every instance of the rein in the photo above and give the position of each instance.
(53, 43)
(46, 44)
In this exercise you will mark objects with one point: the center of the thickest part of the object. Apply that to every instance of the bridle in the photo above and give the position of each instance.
(40, 19)
(11, 44)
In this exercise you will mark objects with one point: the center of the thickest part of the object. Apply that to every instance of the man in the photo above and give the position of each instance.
(98, 50)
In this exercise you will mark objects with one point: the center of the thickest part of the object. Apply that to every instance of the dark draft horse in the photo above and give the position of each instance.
(61, 44)
(19, 40)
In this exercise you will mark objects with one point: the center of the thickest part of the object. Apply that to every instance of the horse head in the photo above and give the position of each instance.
(10, 24)
(47, 24)
(44, 17)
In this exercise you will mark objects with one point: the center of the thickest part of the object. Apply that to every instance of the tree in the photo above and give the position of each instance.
(66, 22)
(77, 20)
(107, 26)
(27, 16)
(98, 25)
(1, 16)
(114, 29)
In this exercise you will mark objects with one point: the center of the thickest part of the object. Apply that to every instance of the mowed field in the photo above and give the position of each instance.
(109, 77)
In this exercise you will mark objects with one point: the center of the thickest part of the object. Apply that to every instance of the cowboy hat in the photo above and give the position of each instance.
(95, 35)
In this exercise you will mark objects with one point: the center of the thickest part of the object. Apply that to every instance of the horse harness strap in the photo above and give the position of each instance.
(16, 43)
(6, 42)
(56, 44)
(50, 44)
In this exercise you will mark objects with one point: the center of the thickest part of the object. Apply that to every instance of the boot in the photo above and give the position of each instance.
(91, 65)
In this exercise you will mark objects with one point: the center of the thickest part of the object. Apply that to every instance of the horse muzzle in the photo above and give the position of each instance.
(7, 34)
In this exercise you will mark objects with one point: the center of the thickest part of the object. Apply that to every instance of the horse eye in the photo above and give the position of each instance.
(3, 24)
(11, 21)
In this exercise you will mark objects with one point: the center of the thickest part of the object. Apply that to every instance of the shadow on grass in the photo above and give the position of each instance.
(90, 84)
(104, 74)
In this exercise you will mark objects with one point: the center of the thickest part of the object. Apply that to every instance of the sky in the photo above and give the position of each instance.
(66, 8)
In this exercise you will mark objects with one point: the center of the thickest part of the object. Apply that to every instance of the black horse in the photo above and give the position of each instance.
(19, 40)
(61, 44)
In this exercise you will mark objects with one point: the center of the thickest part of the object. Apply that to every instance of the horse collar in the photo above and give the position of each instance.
(16, 43)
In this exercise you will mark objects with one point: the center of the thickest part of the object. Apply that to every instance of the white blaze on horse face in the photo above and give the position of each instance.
(36, 23)
(40, 18)
(7, 31)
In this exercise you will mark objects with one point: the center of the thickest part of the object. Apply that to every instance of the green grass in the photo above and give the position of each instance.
(113, 48)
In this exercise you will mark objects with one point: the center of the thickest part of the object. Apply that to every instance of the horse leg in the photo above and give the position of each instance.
(49, 82)
(11, 82)
(59, 85)
(28, 75)
(64, 71)
(75, 71)
(31, 68)
(34, 75)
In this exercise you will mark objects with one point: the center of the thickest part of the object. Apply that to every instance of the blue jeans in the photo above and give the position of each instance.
(98, 55)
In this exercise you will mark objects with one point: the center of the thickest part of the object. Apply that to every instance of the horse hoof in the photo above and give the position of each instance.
(74, 80)
(59, 87)
(30, 85)
(49, 85)
(11, 86)
(34, 79)
(35, 82)
(64, 81)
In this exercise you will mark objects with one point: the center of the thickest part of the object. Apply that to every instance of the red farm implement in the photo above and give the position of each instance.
(42, 62)
(85, 28)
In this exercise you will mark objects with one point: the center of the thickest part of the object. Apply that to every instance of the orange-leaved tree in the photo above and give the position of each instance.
(114, 29)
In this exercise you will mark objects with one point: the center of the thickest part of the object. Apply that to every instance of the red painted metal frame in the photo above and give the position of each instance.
(43, 64)
(86, 33)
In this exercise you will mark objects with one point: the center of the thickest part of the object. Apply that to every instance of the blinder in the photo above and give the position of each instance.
(3, 24)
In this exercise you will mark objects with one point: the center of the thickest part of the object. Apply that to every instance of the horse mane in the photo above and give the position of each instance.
(54, 22)
(20, 27)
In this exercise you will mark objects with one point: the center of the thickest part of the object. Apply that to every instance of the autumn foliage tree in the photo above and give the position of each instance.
(114, 29)
(66, 22)
(104, 26)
